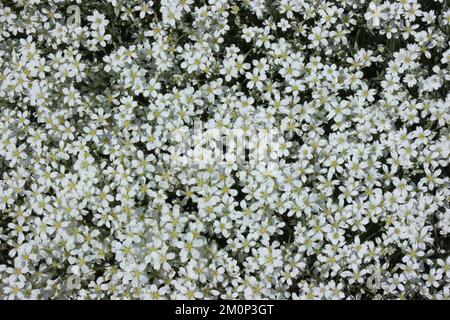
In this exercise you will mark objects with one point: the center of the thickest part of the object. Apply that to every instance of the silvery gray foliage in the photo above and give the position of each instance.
(287, 149)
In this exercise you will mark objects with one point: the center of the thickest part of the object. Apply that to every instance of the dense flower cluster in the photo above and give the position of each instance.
(352, 201)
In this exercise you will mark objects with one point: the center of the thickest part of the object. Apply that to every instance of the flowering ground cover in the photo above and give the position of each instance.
(181, 149)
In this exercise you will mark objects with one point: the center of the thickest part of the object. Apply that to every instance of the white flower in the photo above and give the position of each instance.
(196, 150)
(375, 14)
